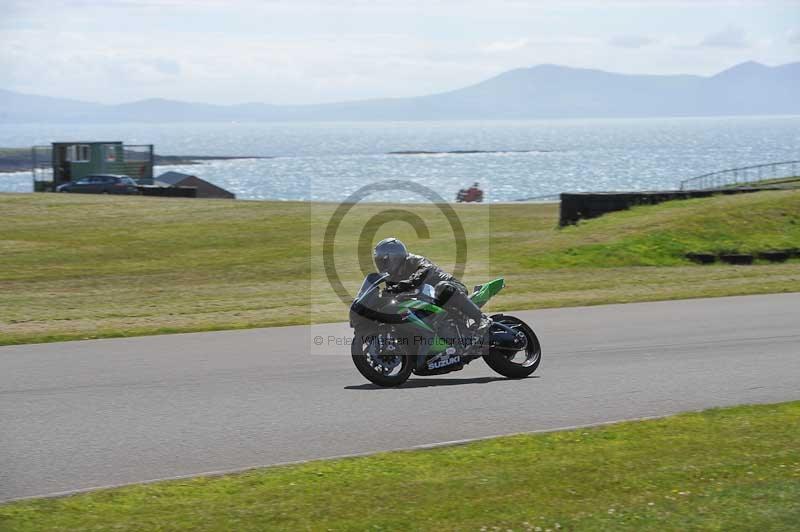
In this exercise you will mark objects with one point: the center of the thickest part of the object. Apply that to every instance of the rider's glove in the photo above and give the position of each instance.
(402, 286)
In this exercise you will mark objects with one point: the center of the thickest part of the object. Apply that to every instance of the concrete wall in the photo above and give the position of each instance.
(582, 205)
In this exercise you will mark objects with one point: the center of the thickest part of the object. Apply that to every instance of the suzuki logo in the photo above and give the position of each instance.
(444, 362)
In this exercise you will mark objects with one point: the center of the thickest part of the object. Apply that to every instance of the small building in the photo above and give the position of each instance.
(63, 162)
(204, 188)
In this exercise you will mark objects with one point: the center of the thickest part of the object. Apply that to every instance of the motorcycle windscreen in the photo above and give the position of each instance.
(370, 281)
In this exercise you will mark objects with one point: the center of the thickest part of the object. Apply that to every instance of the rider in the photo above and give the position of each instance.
(408, 271)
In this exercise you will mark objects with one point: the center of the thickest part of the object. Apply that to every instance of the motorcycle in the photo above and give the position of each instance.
(400, 334)
(469, 195)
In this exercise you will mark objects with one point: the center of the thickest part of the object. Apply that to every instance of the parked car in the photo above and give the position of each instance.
(101, 184)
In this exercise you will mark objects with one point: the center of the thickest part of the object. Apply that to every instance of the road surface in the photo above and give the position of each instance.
(79, 415)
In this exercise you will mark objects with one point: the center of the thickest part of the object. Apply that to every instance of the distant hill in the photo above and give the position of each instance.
(15, 106)
(543, 91)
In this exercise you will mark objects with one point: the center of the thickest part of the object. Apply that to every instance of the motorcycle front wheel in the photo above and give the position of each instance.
(519, 364)
(381, 359)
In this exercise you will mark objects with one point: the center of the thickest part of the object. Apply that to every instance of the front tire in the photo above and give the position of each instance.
(511, 364)
(377, 362)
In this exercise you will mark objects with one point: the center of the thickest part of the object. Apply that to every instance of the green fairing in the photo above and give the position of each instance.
(421, 305)
(480, 298)
(413, 305)
(418, 322)
(487, 291)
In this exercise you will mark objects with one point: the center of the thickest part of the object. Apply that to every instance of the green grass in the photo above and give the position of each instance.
(82, 266)
(662, 235)
(724, 469)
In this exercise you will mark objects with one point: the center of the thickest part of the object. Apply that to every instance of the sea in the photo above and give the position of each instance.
(517, 160)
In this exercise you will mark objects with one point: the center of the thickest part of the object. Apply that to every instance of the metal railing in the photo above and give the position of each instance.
(742, 176)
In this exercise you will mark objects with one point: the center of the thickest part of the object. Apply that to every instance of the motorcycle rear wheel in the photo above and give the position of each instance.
(374, 363)
(505, 363)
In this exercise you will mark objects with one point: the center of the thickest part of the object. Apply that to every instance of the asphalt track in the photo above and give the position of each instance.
(79, 415)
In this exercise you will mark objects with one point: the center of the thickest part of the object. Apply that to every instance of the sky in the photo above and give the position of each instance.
(314, 51)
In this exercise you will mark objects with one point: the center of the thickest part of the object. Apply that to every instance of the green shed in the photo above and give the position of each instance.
(62, 162)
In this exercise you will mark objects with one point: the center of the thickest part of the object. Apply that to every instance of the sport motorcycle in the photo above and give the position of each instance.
(400, 334)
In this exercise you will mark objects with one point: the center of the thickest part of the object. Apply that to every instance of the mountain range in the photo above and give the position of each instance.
(543, 91)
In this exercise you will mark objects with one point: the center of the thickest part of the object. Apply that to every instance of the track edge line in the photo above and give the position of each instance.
(420, 447)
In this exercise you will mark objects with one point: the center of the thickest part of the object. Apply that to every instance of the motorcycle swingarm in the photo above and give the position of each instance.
(507, 338)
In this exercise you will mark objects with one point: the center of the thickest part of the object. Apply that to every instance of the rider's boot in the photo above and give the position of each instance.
(478, 325)
(482, 326)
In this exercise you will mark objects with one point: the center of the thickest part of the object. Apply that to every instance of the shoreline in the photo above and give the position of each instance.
(15, 160)
(334, 202)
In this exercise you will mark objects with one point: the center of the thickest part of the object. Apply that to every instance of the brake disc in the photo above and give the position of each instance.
(382, 355)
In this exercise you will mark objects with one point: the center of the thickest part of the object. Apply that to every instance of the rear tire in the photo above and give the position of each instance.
(366, 364)
(502, 361)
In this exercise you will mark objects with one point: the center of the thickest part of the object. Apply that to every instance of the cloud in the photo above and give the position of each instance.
(630, 41)
(228, 68)
(143, 71)
(166, 66)
(506, 46)
(794, 37)
(302, 52)
(730, 37)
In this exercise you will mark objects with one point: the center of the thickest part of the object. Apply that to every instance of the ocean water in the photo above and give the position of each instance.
(329, 161)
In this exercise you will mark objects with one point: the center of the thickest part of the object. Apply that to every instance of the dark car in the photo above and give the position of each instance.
(101, 184)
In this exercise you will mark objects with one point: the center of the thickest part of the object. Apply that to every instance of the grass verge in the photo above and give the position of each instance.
(722, 469)
(83, 266)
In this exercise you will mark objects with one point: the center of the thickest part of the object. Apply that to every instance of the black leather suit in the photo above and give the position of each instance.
(449, 291)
